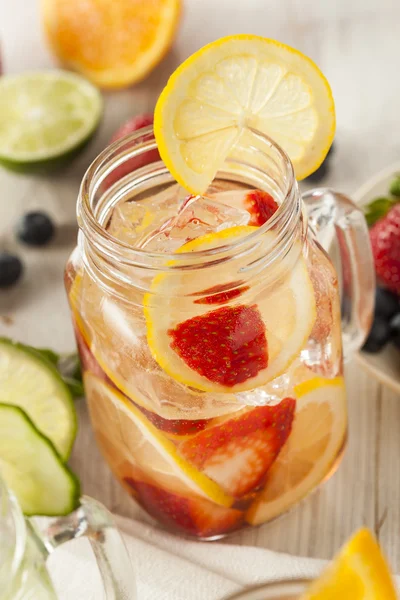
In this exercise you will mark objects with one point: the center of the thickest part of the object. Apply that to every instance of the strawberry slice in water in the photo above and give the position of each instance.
(175, 426)
(194, 516)
(227, 346)
(221, 293)
(261, 207)
(238, 453)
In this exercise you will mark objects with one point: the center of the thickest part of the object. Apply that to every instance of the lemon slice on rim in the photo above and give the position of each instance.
(317, 437)
(208, 345)
(359, 571)
(127, 437)
(235, 85)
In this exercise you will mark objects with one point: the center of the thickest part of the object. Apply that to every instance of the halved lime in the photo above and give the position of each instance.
(32, 468)
(45, 117)
(31, 382)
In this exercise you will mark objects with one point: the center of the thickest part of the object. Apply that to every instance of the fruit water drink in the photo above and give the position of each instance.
(210, 337)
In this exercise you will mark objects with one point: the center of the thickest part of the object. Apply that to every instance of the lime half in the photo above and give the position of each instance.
(45, 117)
(31, 382)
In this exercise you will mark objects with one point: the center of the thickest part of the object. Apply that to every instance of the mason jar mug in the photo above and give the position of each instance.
(210, 331)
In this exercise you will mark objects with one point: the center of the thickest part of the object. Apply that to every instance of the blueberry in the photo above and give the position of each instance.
(35, 228)
(378, 336)
(10, 269)
(395, 330)
(320, 173)
(386, 303)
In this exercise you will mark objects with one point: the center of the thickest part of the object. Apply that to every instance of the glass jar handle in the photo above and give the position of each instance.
(332, 215)
(93, 521)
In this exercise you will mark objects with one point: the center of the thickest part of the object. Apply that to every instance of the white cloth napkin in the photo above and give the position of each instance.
(166, 567)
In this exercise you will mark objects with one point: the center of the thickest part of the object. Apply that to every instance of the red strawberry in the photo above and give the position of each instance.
(221, 293)
(193, 516)
(174, 426)
(238, 453)
(140, 161)
(227, 346)
(89, 363)
(132, 125)
(385, 241)
(261, 207)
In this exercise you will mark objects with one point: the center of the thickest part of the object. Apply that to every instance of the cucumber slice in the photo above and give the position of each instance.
(30, 381)
(32, 468)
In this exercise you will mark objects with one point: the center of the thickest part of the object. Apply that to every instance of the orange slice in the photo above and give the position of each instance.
(317, 437)
(234, 347)
(114, 43)
(359, 572)
(126, 436)
(230, 88)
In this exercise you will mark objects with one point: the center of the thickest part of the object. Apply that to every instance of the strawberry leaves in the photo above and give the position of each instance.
(395, 187)
(378, 208)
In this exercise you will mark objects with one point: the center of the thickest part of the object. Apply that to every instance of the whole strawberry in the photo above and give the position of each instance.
(141, 160)
(132, 125)
(385, 242)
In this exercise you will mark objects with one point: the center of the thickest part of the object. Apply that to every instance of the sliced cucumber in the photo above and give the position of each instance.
(30, 381)
(32, 468)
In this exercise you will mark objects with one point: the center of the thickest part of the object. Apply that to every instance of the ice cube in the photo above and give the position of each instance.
(133, 220)
(169, 199)
(197, 216)
(125, 221)
(270, 394)
(172, 400)
(160, 240)
(198, 212)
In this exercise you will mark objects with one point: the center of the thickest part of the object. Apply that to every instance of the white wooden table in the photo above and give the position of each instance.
(357, 44)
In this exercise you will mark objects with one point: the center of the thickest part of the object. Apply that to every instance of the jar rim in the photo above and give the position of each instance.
(143, 141)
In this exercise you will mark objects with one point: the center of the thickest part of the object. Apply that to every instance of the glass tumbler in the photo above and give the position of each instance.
(24, 547)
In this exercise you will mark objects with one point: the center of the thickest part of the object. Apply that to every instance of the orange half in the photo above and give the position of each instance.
(113, 43)
(358, 572)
